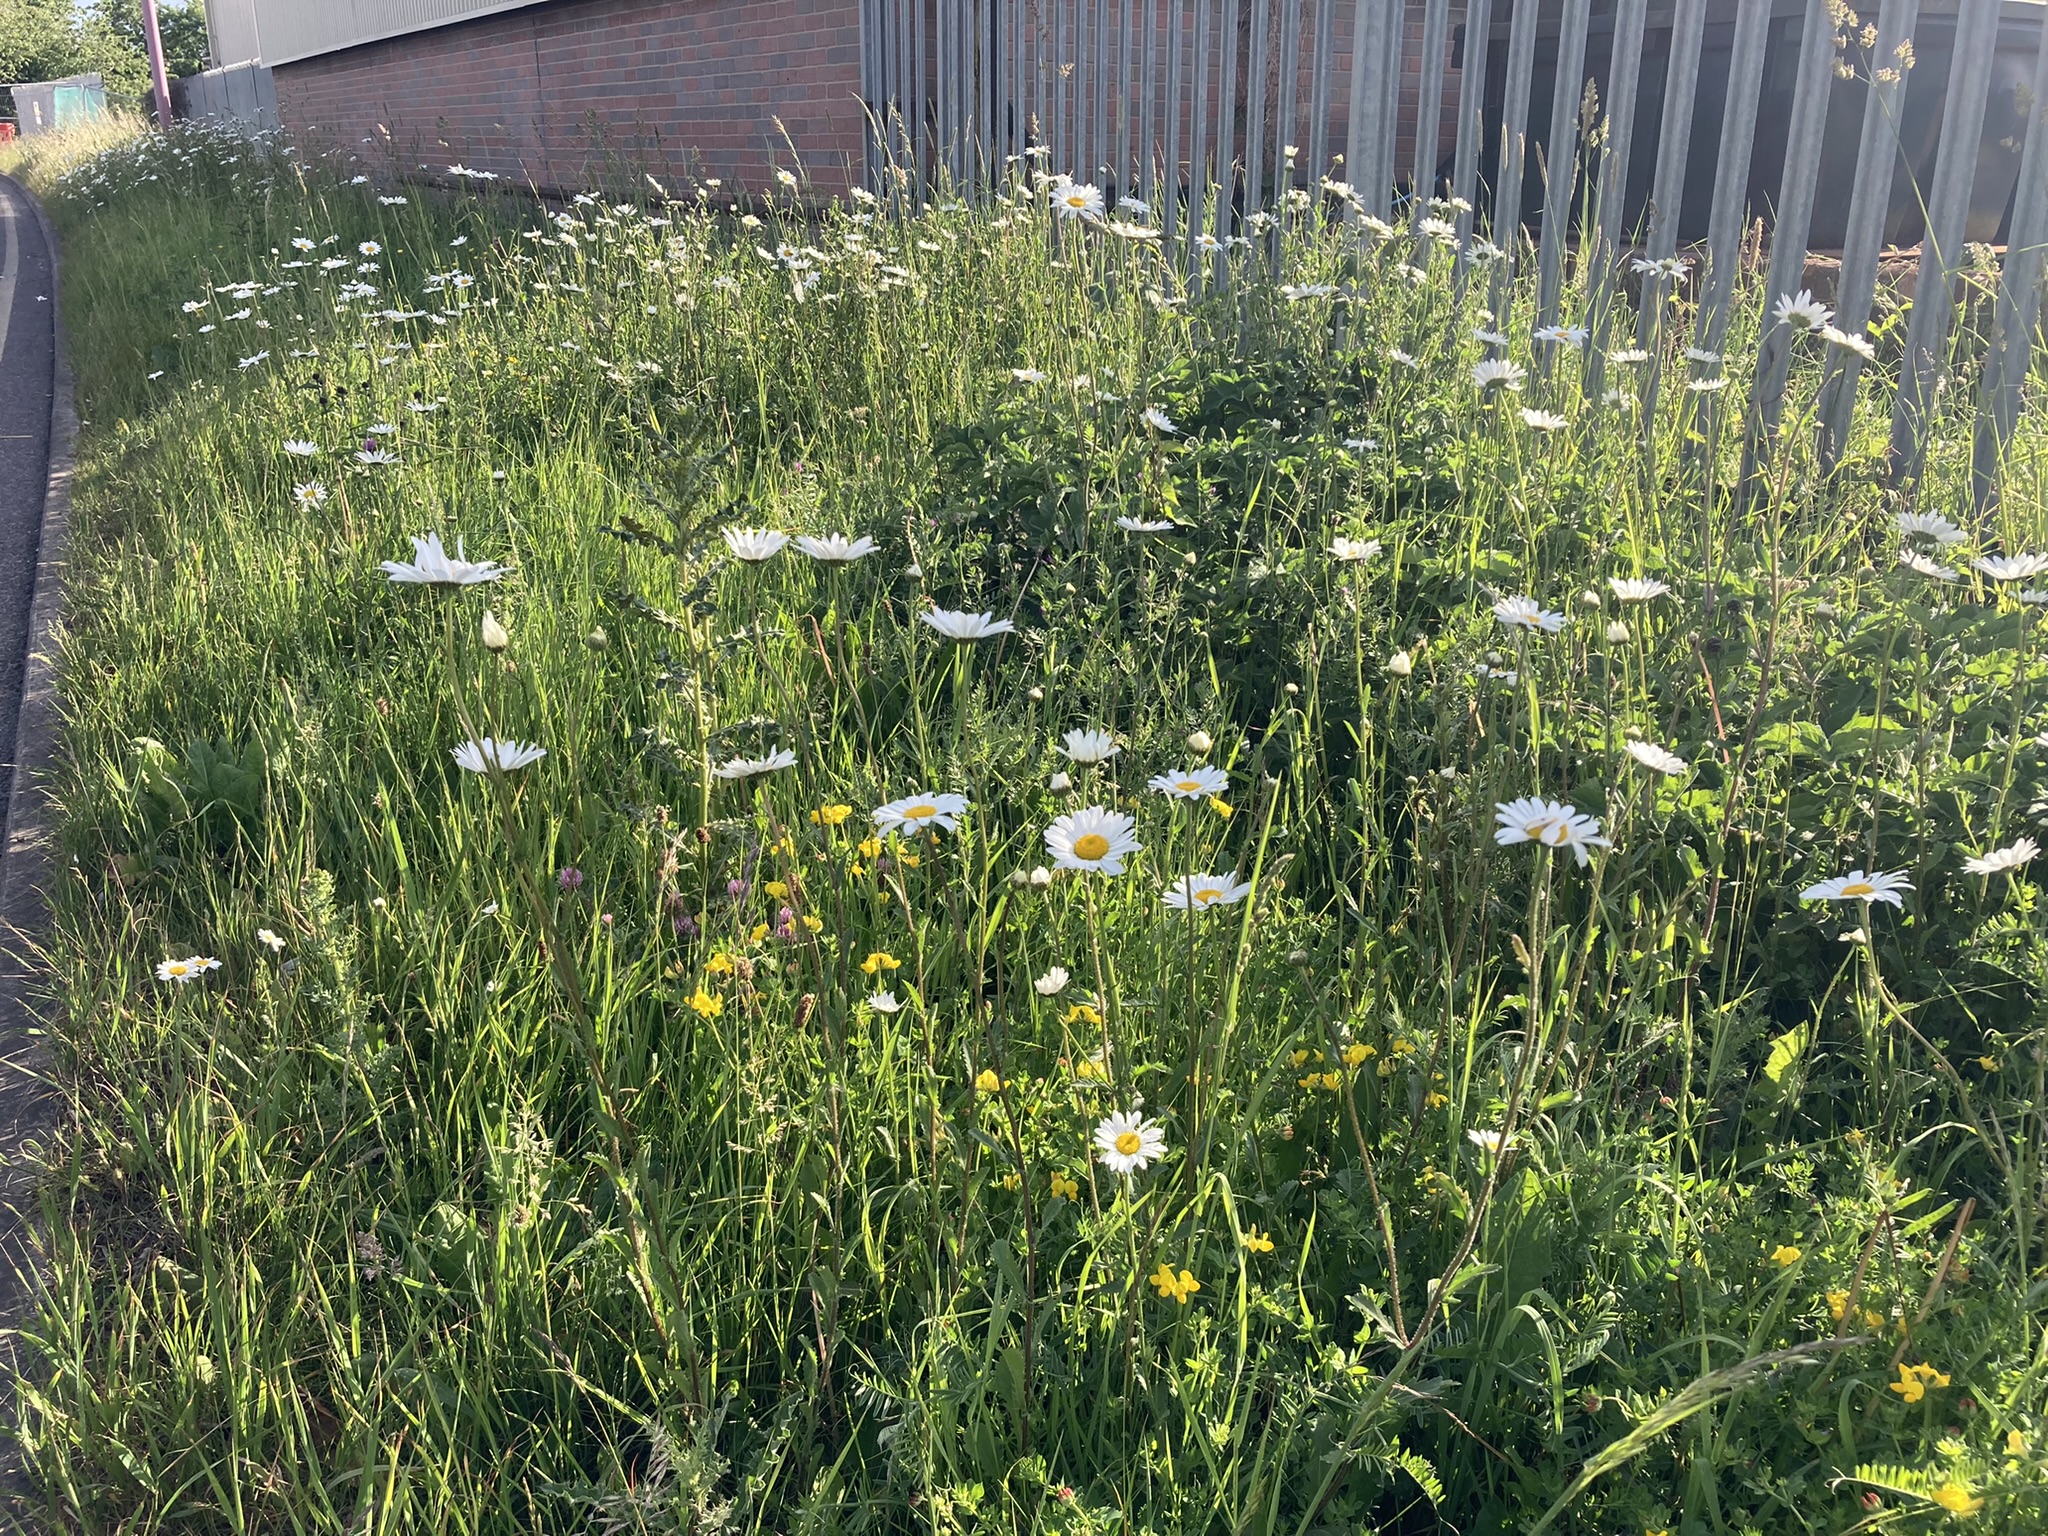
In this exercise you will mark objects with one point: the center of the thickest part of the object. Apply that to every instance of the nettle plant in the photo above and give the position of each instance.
(875, 868)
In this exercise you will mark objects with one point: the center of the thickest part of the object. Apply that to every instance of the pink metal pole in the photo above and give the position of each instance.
(156, 64)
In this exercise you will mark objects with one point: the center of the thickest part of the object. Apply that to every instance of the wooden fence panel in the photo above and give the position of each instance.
(2019, 293)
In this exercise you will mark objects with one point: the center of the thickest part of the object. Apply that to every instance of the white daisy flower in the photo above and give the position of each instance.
(1858, 886)
(189, 969)
(1354, 551)
(1543, 421)
(1159, 421)
(1088, 747)
(1628, 355)
(1489, 338)
(966, 627)
(1802, 311)
(1027, 375)
(737, 768)
(1573, 336)
(884, 1002)
(1655, 758)
(1858, 344)
(2012, 567)
(1491, 373)
(1489, 1142)
(2001, 859)
(913, 812)
(1129, 1143)
(1400, 664)
(1705, 355)
(1052, 983)
(270, 941)
(1405, 359)
(1526, 613)
(755, 544)
(1712, 386)
(1198, 893)
(1077, 200)
(1549, 822)
(1192, 783)
(1629, 589)
(1913, 560)
(835, 548)
(311, 495)
(299, 448)
(431, 566)
(505, 756)
(1139, 525)
(376, 456)
(1929, 525)
(1092, 839)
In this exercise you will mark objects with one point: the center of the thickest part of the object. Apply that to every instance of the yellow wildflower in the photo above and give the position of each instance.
(1298, 1058)
(779, 889)
(1838, 1304)
(1404, 1047)
(1436, 1101)
(1914, 1380)
(815, 924)
(988, 1082)
(1356, 1052)
(856, 870)
(911, 860)
(1785, 1255)
(1013, 1180)
(880, 960)
(707, 1004)
(759, 933)
(1222, 807)
(1257, 1241)
(1957, 1499)
(831, 815)
(1332, 1081)
(870, 847)
(1065, 1188)
(1083, 1013)
(719, 964)
(1179, 1287)
(1987, 1063)
(2015, 1443)
(1090, 1069)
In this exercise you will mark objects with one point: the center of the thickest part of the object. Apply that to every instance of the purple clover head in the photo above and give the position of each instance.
(785, 924)
(570, 879)
(736, 888)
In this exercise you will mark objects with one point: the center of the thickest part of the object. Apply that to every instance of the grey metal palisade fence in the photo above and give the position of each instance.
(1211, 110)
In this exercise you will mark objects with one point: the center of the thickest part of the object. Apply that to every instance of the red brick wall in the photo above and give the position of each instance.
(554, 94)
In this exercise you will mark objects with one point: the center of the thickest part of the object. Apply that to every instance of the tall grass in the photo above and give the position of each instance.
(543, 1153)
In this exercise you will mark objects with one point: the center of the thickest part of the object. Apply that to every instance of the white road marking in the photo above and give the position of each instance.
(9, 263)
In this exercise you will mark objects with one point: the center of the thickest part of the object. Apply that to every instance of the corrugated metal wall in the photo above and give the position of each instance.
(279, 31)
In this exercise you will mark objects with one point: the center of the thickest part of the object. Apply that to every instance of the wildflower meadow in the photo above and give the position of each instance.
(784, 865)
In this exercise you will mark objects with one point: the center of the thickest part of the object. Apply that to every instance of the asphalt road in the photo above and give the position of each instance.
(27, 373)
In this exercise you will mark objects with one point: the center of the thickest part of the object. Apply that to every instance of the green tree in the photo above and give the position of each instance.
(180, 23)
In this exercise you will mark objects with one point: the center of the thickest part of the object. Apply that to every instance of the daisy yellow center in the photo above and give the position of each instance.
(1208, 894)
(1129, 1142)
(179, 969)
(1859, 888)
(919, 812)
(1092, 846)
(1076, 200)
(1191, 785)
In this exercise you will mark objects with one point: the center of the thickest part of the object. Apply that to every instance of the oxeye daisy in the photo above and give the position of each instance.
(967, 627)
(189, 969)
(2012, 567)
(1543, 421)
(738, 768)
(299, 448)
(1802, 311)
(1088, 747)
(1052, 983)
(914, 812)
(1140, 525)
(1192, 783)
(1859, 886)
(1933, 570)
(1353, 551)
(1655, 758)
(755, 544)
(1077, 200)
(1527, 613)
(884, 1002)
(1856, 343)
(1628, 589)
(1549, 822)
(482, 756)
(1198, 893)
(1928, 525)
(1999, 860)
(1129, 1143)
(1491, 373)
(1092, 839)
(835, 548)
(431, 566)
(1159, 421)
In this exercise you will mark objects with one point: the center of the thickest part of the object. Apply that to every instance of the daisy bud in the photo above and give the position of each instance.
(1400, 664)
(1060, 784)
(598, 640)
(915, 572)
(1292, 689)
(1589, 599)
(1020, 877)
(1617, 632)
(1198, 741)
(1041, 877)
(1037, 695)
(495, 638)
(1188, 559)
